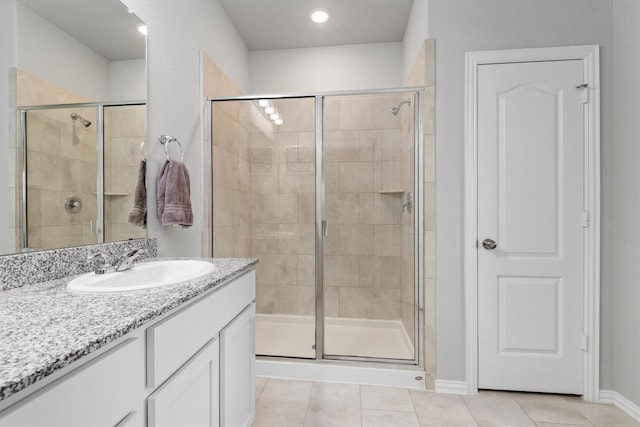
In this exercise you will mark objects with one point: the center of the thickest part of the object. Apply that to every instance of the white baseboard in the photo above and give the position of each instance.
(619, 401)
(452, 387)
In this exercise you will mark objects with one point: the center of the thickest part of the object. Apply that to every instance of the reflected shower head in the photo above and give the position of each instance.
(396, 110)
(86, 123)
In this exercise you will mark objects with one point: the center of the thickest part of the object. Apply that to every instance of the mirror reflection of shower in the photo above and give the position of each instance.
(396, 110)
(86, 123)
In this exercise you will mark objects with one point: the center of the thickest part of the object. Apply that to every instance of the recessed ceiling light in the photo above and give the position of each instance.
(319, 16)
(142, 29)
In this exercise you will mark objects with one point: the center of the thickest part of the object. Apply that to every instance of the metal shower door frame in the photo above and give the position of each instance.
(321, 223)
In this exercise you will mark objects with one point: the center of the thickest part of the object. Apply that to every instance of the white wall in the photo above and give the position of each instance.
(626, 303)
(178, 31)
(50, 53)
(415, 34)
(469, 25)
(128, 80)
(347, 67)
(7, 119)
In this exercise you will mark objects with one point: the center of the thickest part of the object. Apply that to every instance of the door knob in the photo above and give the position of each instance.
(489, 244)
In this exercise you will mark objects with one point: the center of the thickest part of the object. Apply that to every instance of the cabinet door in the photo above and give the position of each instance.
(100, 393)
(237, 370)
(191, 396)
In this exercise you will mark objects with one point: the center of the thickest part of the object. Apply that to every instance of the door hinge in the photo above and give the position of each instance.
(584, 87)
(585, 219)
(585, 343)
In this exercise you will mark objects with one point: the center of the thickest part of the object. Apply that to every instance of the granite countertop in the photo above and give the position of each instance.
(45, 327)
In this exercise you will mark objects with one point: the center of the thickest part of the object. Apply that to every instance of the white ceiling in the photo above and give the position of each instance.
(103, 25)
(106, 27)
(284, 24)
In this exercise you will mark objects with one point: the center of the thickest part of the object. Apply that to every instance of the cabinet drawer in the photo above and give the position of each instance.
(173, 341)
(99, 393)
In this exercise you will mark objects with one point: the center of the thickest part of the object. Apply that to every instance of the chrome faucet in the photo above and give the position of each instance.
(103, 263)
(126, 262)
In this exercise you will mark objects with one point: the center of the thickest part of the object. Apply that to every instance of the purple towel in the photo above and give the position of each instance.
(138, 214)
(174, 195)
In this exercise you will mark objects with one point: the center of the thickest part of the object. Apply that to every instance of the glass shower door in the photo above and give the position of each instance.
(264, 207)
(369, 289)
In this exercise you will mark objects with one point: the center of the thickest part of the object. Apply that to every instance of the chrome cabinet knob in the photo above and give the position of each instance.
(489, 244)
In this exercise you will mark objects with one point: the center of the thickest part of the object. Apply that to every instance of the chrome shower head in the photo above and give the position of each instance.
(396, 110)
(86, 123)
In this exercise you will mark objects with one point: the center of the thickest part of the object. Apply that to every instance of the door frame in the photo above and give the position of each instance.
(589, 54)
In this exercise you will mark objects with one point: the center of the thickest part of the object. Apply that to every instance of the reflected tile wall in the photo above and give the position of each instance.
(61, 161)
(60, 153)
(125, 129)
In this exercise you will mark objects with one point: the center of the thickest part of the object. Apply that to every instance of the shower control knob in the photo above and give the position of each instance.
(489, 244)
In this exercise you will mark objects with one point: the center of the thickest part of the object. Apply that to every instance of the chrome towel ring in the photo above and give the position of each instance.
(166, 140)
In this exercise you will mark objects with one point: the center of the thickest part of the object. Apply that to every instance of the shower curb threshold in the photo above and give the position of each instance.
(405, 377)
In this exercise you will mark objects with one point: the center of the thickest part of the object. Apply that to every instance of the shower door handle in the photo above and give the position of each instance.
(325, 228)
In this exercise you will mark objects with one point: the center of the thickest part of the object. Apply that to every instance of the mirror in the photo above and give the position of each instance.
(70, 52)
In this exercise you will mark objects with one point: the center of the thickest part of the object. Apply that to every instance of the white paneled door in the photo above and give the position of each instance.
(531, 148)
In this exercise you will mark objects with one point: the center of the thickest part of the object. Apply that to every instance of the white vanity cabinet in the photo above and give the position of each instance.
(209, 345)
(191, 367)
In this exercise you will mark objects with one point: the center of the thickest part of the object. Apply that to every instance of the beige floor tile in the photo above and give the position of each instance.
(604, 415)
(386, 398)
(334, 405)
(496, 409)
(545, 408)
(282, 404)
(435, 410)
(375, 418)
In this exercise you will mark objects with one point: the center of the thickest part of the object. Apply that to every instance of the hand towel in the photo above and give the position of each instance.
(174, 195)
(138, 214)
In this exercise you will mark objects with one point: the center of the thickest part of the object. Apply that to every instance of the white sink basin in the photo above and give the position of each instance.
(142, 276)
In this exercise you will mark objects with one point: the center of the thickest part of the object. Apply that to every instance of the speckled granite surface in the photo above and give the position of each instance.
(45, 327)
(35, 267)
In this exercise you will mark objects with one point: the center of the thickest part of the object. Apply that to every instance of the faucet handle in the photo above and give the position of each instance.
(98, 255)
(103, 263)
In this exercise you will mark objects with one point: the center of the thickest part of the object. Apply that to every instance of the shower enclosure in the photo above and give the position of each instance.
(326, 191)
(79, 169)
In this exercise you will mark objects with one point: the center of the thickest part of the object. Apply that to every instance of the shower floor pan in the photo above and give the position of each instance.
(294, 336)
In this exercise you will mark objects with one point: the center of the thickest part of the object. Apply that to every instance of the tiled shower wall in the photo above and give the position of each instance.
(283, 208)
(61, 162)
(364, 187)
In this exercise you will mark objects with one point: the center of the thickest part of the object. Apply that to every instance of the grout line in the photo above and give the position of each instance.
(523, 411)
(464, 402)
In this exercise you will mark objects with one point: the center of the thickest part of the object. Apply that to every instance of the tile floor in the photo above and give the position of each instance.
(282, 403)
